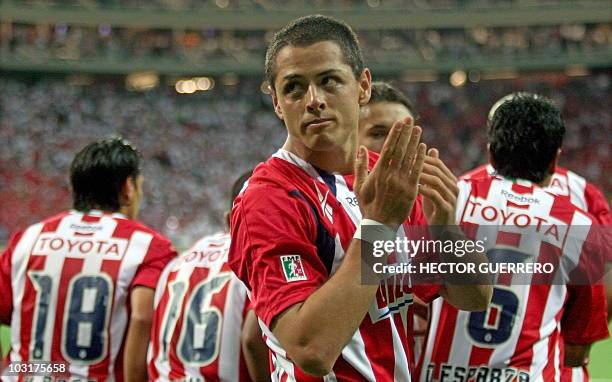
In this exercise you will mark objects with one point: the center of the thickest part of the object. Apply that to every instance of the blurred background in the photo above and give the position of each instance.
(183, 80)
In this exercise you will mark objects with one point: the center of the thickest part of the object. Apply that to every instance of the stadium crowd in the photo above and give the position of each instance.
(69, 42)
(293, 4)
(195, 144)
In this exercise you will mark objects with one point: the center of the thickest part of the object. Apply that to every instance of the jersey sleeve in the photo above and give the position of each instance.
(6, 297)
(584, 320)
(272, 250)
(597, 204)
(159, 254)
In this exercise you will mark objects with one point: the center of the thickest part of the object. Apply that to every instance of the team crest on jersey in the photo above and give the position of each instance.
(293, 268)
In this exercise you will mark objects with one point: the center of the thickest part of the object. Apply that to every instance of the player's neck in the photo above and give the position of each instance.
(338, 160)
(546, 181)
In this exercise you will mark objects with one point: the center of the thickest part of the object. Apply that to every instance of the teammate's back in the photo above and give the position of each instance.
(75, 281)
(518, 337)
(199, 309)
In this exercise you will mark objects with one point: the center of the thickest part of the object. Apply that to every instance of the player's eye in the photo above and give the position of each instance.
(378, 132)
(291, 87)
(329, 81)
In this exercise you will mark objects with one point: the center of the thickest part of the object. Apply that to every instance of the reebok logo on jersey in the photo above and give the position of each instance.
(520, 199)
(293, 268)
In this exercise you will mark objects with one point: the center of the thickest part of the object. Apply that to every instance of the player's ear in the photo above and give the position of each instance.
(489, 154)
(277, 109)
(365, 87)
(553, 165)
(128, 191)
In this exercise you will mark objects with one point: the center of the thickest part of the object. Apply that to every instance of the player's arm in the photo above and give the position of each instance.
(6, 297)
(583, 322)
(138, 334)
(255, 349)
(440, 191)
(315, 331)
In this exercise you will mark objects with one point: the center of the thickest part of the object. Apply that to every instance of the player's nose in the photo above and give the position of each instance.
(315, 99)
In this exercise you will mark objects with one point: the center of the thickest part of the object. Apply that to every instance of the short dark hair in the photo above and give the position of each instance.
(98, 172)
(525, 132)
(384, 92)
(309, 30)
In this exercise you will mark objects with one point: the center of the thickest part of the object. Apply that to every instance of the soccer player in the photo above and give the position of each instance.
(588, 197)
(293, 226)
(387, 105)
(79, 285)
(201, 310)
(518, 337)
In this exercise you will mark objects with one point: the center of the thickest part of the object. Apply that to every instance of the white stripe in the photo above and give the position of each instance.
(548, 325)
(354, 353)
(577, 188)
(229, 353)
(557, 361)
(134, 255)
(19, 259)
(183, 275)
(435, 308)
(461, 346)
(343, 195)
(578, 375)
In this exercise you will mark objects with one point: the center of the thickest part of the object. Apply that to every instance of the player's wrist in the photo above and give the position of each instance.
(371, 230)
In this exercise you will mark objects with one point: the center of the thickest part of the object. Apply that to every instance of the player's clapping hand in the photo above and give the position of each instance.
(439, 188)
(388, 192)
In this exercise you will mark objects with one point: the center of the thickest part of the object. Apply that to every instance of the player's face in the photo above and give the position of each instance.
(318, 97)
(376, 120)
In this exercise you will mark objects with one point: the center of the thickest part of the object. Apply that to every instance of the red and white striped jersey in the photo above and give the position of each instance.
(582, 193)
(518, 337)
(199, 310)
(69, 280)
(291, 226)
(586, 196)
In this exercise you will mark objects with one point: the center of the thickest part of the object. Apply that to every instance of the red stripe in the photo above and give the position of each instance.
(444, 336)
(519, 206)
(382, 363)
(28, 301)
(177, 369)
(520, 189)
(480, 356)
(406, 345)
(530, 332)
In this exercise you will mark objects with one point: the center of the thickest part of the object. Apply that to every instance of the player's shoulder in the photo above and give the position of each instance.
(564, 208)
(274, 184)
(129, 226)
(482, 171)
(208, 252)
(218, 242)
(478, 183)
